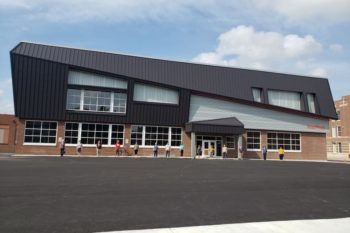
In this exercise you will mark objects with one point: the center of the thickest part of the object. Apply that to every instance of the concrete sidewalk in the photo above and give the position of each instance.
(340, 225)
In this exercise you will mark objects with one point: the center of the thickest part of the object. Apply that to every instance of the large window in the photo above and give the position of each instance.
(284, 99)
(136, 134)
(71, 133)
(149, 135)
(289, 141)
(117, 134)
(253, 140)
(176, 136)
(90, 133)
(90, 79)
(41, 132)
(156, 134)
(154, 94)
(73, 99)
(96, 101)
(311, 103)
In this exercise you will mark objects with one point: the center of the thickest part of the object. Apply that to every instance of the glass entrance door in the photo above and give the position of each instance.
(208, 148)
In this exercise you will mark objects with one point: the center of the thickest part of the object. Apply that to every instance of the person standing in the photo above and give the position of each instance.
(281, 152)
(167, 150)
(136, 148)
(199, 151)
(155, 150)
(98, 147)
(62, 147)
(224, 151)
(264, 152)
(182, 148)
(117, 148)
(79, 147)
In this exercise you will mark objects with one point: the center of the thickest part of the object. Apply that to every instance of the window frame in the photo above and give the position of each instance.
(143, 139)
(254, 131)
(261, 94)
(80, 130)
(281, 132)
(156, 86)
(39, 143)
(111, 102)
(234, 142)
(286, 91)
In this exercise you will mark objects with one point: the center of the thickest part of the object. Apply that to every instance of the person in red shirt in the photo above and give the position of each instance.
(117, 148)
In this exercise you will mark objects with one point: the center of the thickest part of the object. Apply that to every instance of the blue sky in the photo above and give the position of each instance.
(300, 37)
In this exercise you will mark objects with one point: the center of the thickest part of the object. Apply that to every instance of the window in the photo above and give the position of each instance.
(90, 79)
(136, 134)
(156, 134)
(71, 133)
(334, 133)
(231, 142)
(119, 103)
(289, 141)
(253, 140)
(338, 114)
(117, 134)
(175, 136)
(73, 99)
(90, 133)
(311, 102)
(154, 94)
(339, 148)
(284, 99)
(338, 131)
(96, 101)
(42, 132)
(257, 94)
(149, 135)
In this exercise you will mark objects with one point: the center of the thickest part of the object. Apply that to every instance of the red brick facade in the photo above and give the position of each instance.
(313, 146)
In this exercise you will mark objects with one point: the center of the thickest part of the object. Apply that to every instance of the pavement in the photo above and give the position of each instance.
(52, 194)
(341, 225)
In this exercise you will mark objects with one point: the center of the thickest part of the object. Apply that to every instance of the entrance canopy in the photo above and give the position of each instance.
(229, 126)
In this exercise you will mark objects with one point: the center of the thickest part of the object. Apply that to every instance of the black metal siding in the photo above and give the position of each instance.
(223, 81)
(40, 89)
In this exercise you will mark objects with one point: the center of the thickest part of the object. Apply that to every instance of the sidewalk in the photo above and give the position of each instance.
(340, 225)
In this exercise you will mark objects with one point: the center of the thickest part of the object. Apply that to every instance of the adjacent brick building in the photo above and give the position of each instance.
(338, 138)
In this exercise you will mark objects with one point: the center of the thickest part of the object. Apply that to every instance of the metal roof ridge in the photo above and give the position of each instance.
(178, 61)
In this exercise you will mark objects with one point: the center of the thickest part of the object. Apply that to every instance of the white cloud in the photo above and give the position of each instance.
(336, 48)
(299, 11)
(1, 92)
(245, 47)
(68, 11)
(319, 72)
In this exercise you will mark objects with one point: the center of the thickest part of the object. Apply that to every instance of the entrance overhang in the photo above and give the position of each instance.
(224, 126)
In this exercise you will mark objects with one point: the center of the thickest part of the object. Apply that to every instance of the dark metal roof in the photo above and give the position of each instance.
(227, 82)
(229, 126)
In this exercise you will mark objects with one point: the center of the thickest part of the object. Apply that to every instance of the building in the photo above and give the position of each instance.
(338, 137)
(86, 95)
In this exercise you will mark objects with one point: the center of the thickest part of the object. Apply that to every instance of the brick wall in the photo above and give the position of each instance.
(313, 147)
(8, 123)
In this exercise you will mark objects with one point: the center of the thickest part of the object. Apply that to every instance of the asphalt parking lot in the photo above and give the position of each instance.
(40, 194)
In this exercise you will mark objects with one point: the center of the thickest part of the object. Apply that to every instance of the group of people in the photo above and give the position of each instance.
(167, 150)
(211, 151)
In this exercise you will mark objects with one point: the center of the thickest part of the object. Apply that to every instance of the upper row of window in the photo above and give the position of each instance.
(287, 99)
(112, 101)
